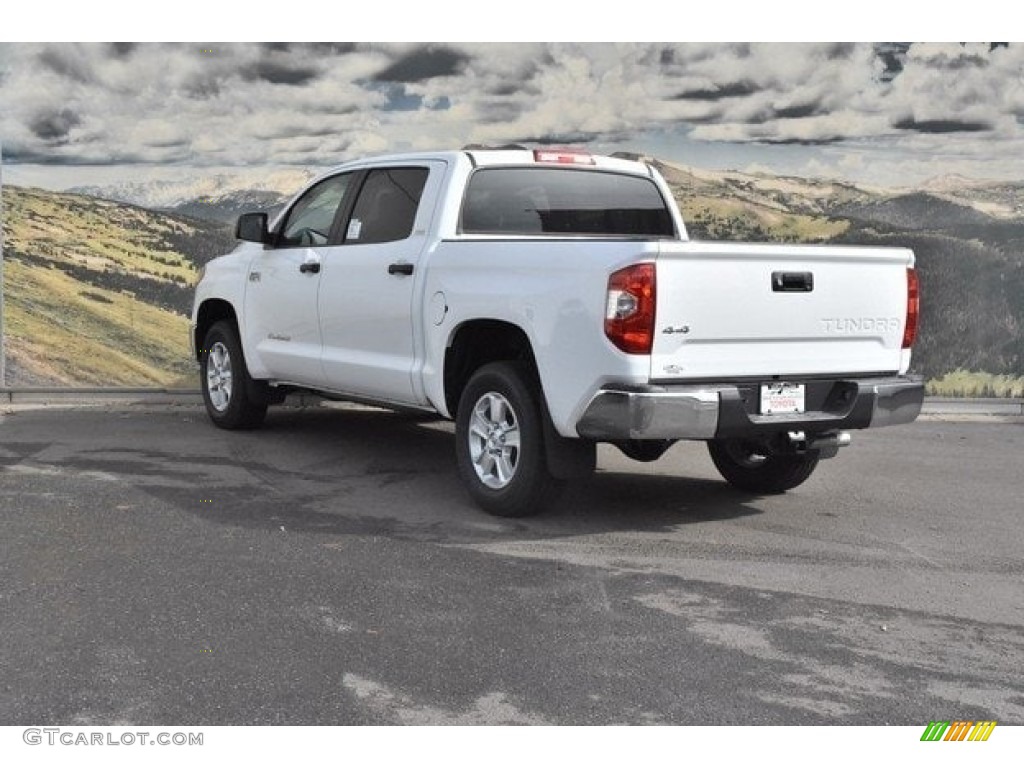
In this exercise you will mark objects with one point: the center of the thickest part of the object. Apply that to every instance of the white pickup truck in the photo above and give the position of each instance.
(548, 300)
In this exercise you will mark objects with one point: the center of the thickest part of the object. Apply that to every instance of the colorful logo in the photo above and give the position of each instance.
(958, 730)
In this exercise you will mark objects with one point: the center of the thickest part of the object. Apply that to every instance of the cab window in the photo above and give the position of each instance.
(386, 207)
(564, 201)
(310, 220)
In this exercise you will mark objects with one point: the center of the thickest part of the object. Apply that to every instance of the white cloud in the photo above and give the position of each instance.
(248, 104)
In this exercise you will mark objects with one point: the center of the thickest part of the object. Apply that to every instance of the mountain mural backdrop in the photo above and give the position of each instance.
(99, 280)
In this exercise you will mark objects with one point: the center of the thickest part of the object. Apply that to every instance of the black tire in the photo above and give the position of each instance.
(749, 467)
(235, 403)
(501, 400)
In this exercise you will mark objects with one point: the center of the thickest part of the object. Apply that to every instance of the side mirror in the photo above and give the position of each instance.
(252, 227)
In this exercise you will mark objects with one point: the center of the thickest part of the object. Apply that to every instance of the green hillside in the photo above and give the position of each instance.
(740, 206)
(97, 293)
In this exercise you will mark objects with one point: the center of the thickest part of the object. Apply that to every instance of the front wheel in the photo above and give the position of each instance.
(751, 467)
(499, 442)
(232, 398)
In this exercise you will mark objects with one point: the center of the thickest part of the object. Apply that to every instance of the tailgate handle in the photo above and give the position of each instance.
(792, 282)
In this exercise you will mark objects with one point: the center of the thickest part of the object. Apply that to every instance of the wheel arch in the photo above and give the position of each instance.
(476, 343)
(212, 311)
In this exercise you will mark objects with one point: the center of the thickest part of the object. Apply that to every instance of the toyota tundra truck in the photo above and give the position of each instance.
(549, 300)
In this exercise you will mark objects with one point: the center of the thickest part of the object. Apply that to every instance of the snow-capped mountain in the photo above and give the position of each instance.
(227, 207)
(219, 196)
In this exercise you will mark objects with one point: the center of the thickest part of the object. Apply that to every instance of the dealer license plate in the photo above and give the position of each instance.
(782, 398)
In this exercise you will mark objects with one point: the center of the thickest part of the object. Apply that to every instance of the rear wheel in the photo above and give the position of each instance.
(499, 442)
(233, 400)
(750, 466)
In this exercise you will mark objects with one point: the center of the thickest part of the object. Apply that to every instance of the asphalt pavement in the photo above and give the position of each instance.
(329, 569)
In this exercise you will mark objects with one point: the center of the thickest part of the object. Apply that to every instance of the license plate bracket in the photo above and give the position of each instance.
(782, 397)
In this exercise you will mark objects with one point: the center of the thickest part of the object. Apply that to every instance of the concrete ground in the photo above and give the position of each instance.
(329, 569)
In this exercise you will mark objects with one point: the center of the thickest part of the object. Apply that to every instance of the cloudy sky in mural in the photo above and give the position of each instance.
(886, 113)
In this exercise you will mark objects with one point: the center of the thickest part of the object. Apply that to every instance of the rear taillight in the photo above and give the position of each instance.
(629, 311)
(913, 309)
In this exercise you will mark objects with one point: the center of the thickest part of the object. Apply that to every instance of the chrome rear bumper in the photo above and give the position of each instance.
(708, 411)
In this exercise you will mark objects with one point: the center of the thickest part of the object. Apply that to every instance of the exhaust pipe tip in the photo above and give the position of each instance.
(828, 445)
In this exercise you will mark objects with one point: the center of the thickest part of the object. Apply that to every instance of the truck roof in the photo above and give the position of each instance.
(519, 156)
(571, 156)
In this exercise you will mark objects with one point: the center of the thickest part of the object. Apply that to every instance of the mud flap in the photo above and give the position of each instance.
(568, 458)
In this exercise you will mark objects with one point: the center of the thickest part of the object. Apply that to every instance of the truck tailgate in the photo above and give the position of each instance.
(727, 310)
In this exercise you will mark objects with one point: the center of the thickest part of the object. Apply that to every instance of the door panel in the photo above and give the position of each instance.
(368, 287)
(281, 293)
(283, 326)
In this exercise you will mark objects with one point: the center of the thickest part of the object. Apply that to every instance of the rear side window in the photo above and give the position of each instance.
(387, 205)
(532, 201)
